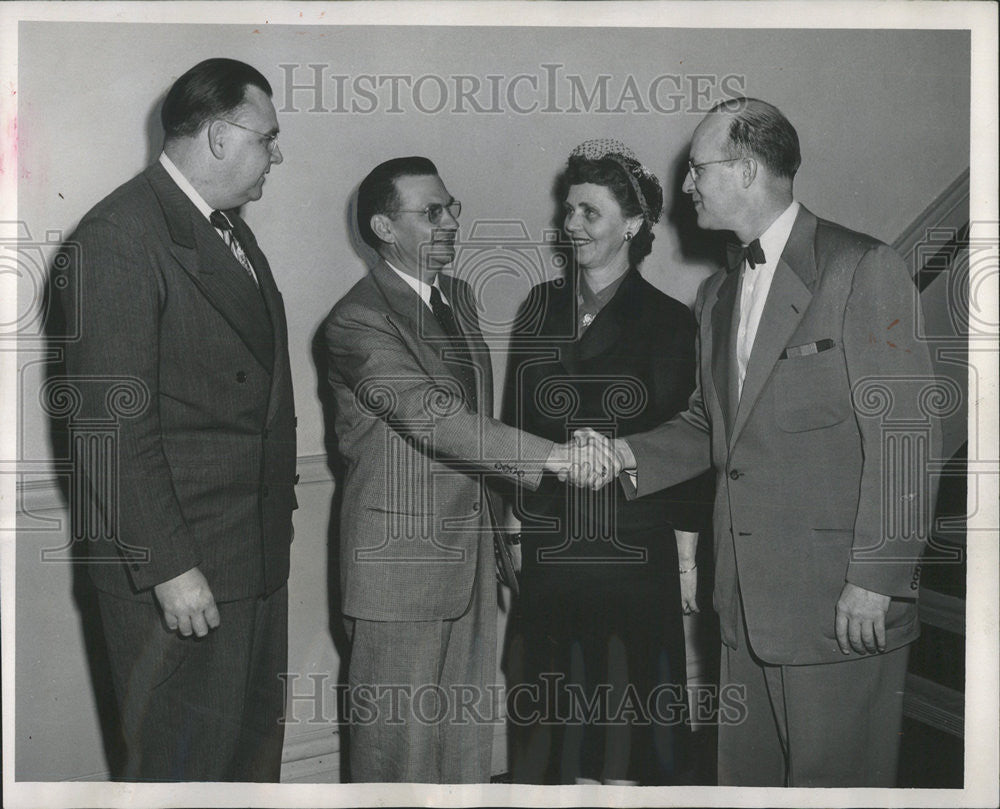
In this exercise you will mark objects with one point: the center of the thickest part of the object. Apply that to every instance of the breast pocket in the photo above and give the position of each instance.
(811, 392)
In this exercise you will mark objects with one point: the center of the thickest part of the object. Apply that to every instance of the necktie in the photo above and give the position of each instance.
(445, 317)
(443, 313)
(221, 222)
(736, 254)
(463, 370)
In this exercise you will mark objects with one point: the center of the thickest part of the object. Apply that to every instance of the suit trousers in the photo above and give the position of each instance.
(421, 711)
(200, 709)
(821, 725)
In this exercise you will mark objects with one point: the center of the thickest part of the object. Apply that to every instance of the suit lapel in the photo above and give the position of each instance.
(725, 318)
(562, 320)
(787, 301)
(212, 267)
(273, 302)
(466, 312)
(414, 321)
(606, 331)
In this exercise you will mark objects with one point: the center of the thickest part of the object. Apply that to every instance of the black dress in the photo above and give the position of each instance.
(595, 660)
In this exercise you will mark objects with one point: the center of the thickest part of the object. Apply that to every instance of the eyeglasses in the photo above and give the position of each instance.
(435, 210)
(695, 169)
(270, 141)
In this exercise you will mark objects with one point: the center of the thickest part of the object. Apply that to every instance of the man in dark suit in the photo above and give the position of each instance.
(177, 298)
(413, 386)
(806, 345)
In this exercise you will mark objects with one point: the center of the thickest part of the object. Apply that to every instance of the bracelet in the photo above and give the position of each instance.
(688, 570)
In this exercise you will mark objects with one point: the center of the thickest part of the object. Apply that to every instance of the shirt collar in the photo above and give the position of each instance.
(598, 300)
(185, 185)
(418, 285)
(774, 239)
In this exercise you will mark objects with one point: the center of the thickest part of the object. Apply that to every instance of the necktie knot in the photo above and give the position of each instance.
(220, 221)
(752, 253)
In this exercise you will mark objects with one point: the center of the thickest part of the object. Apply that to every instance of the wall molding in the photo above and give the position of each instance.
(942, 611)
(934, 704)
(311, 757)
(950, 209)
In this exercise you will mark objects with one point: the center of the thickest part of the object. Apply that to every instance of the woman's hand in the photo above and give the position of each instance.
(687, 544)
(689, 591)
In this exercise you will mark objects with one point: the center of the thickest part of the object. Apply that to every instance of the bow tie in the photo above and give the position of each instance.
(736, 253)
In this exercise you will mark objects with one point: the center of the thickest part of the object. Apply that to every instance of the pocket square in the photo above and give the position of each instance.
(806, 349)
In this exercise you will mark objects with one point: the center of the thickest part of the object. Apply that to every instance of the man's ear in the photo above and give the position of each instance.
(750, 167)
(216, 134)
(381, 226)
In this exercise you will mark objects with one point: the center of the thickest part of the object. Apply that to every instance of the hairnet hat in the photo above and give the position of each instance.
(616, 151)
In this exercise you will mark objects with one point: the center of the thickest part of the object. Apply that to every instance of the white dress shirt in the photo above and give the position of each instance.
(421, 287)
(754, 286)
(756, 283)
(206, 210)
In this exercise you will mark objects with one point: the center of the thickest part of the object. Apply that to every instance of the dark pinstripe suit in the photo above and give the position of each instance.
(207, 474)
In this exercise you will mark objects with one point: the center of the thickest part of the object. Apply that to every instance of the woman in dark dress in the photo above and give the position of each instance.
(596, 665)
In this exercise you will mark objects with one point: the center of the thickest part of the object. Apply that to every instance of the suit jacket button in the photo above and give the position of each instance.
(734, 474)
(241, 377)
(297, 478)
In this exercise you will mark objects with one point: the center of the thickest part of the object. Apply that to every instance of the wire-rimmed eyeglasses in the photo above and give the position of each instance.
(695, 169)
(436, 210)
(270, 141)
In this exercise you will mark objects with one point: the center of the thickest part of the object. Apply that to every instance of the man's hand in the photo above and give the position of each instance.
(187, 603)
(618, 449)
(861, 620)
(583, 463)
(577, 465)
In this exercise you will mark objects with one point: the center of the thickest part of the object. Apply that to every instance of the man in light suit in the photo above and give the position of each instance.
(413, 388)
(178, 300)
(805, 344)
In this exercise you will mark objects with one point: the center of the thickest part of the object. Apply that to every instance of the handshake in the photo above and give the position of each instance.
(590, 460)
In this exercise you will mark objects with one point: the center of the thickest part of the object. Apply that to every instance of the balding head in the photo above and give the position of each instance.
(743, 157)
(758, 129)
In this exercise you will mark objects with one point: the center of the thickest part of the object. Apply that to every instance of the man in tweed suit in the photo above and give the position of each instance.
(412, 382)
(177, 298)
